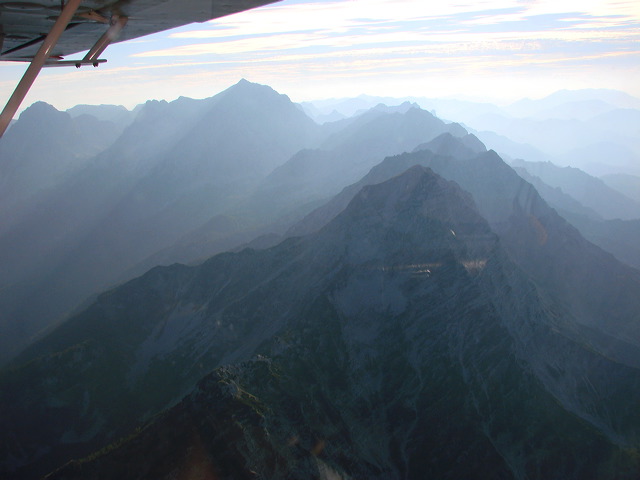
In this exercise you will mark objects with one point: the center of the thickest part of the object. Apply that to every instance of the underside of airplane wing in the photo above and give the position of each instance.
(45, 31)
(24, 25)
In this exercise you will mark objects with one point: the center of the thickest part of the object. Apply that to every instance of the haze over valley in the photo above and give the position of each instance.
(368, 288)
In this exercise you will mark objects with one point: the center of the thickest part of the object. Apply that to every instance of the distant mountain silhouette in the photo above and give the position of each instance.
(348, 154)
(567, 206)
(603, 158)
(628, 185)
(112, 113)
(618, 237)
(466, 146)
(65, 144)
(575, 110)
(509, 150)
(594, 99)
(609, 137)
(589, 191)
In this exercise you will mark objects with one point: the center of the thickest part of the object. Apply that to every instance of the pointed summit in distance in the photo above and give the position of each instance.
(346, 155)
(436, 151)
(427, 212)
(446, 144)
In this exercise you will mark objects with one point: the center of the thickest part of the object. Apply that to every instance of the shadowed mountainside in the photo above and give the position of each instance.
(598, 290)
(399, 341)
(591, 192)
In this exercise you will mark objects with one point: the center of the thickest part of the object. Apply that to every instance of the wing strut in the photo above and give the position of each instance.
(37, 63)
(117, 24)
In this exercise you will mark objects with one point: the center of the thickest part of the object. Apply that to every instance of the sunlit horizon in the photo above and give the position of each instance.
(494, 50)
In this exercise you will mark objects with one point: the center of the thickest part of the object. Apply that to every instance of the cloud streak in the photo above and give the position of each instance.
(328, 28)
(312, 49)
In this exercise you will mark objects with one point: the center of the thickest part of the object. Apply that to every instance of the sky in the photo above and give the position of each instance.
(496, 50)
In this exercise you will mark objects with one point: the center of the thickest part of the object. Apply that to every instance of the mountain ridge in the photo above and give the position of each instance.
(370, 331)
(435, 319)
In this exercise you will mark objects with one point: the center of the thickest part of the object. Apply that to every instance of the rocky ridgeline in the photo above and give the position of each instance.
(400, 340)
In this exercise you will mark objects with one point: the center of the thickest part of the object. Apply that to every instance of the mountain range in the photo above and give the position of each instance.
(595, 130)
(399, 341)
(171, 170)
(158, 192)
(433, 317)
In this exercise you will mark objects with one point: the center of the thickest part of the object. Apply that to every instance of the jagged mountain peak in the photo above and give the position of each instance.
(418, 192)
(415, 218)
(42, 119)
(38, 109)
(402, 108)
(254, 116)
(63, 143)
(450, 145)
(151, 110)
(473, 142)
(245, 91)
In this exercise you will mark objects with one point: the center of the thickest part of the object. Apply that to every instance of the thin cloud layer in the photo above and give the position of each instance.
(316, 49)
(395, 37)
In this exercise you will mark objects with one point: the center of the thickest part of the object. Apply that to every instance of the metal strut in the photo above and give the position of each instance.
(117, 23)
(37, 63)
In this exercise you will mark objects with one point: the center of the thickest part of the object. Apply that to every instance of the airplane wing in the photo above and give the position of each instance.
(24, 25)
(43, 32)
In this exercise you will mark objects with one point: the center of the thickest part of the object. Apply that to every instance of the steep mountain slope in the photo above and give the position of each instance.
(589, 191)
(347, 155)
(621, 238)
(599, 291)
(399, 341)
(565, 204)
(509, 149)
(628, 185)
(307, 180)
(31, 174)
(443, 148)
(174, 168)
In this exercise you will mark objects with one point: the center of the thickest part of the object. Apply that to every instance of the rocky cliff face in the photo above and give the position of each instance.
(398, 341)
(597, 290)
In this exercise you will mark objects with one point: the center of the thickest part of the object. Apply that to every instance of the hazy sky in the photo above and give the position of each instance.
(498, 49)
